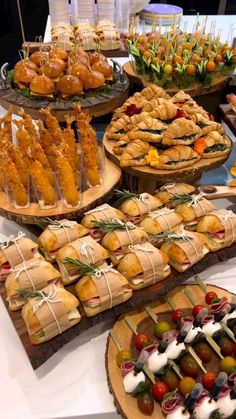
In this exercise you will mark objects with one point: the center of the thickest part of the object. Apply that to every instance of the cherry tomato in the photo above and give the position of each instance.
(186, 385)
(122, 356)
(203, 351)
(210, 296)
(208, 380)
(176, 315)
(227, 364)
(196, 309)
(226, 345)
(189, 366)
(140, 340)
(168, 69)
(160, 328)
(159, 389)
(171, 379)
(181, 114)
(145, 404)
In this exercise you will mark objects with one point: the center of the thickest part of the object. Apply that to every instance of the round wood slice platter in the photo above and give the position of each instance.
(217, 84)
(125, 404)
(148, 179)
(91, 198)
(96, 106)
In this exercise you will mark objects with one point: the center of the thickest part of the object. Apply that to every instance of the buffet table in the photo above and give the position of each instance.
(72, 384)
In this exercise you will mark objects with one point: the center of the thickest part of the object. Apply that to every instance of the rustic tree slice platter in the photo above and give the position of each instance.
(98, 105)
(217, 84)
(146, 179)
(125, 404)
(41, 353)
(91, 198)
(229, 116)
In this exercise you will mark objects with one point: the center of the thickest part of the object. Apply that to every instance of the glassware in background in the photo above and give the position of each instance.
(18, 197)
(59, 11)
(122, 15)
(69, 186)
(106, 9)
(83, 10)
(45, 194)
(94, 173)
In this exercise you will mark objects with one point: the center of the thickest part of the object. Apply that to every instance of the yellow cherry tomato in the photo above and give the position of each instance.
(168, 69)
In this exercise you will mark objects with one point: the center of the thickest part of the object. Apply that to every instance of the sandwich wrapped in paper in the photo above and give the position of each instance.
(219, 227)
(167, 191)
(136, 206)
(161, 220)
(144, 265)
(119, 237)
(49, 312)
(101, 289)
(103, 213)
(191, 208)
(31, 275)
(86, 250)
(14, 251)
(184, 249)
(57, 234)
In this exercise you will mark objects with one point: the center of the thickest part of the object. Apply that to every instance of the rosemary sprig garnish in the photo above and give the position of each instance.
(125, 194)
(44, 222)
(107, 227)
(168, 237)
(84, 268)
(180, 198)
(23, 294)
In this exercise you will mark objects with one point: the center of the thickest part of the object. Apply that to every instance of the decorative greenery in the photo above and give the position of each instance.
(143, 387)
(23, 294)
(84, 268)
(107, 227)
(170, 394)
(125, 194)
(168, 237)
(44, 222)
(180, 198)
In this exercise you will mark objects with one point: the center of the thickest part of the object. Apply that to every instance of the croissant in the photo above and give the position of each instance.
(153, 90)
(206, 124)
(191, 108)
(180, 97)
(177, 157)
(135, 101)
(134, 154)
(181, 131)
(154, 103)
(213, 145)
(150, 130)
(165, 111)
(118, 128)
(121, 145)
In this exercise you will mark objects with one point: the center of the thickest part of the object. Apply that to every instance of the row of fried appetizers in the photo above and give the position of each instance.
(152, 128)
(142, 240)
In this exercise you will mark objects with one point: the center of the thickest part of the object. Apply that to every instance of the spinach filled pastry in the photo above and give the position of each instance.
(161, 220)
(177, 157)
(212, 145)
(121, 145)
(206, 124)
(134, 154)
(165, 112)
(167, 191)
(118, 128)
(180, 97)
(184, 249)
(150, 130)
(181, 131)
(52, 311)
(192, 108)
(136, 207)
(191, 208)
(219, 227)
(144, 265)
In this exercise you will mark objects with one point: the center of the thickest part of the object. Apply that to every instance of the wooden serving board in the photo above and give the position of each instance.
(90, 198)
(195, 90)
(41, 353)
(98, 105)
(146, 179)
(229, 116)
(125, 404)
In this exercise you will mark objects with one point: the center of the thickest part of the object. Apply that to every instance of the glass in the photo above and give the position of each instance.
(18, 197)
(94, 173)
(69, 186)
(45, 193)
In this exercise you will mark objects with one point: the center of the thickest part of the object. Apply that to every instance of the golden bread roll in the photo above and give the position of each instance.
(160, 221)
(166, 191)
(191, 211)
(136, 208)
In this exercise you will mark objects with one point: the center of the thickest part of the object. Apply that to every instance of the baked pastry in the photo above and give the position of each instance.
(153, 91)
(103, 213)
(177, 157)
(86, 250)
(206, 124)
(134, 104)
(161, 220)
(165, 112)
(180, 97)
(154, 103)
(15, 251)
(102, 290)
(166, 191)
(118, 128)
(117, 242)
(136, 207)
(191, 108)
(134, 154)
(219, 228)
(181, 131)
(50, 313)
(191, 208)
(121, 145)
(184, 249)
(144, 265)
(32, 275)
(213, 145)
(57, 234)
(150, 130)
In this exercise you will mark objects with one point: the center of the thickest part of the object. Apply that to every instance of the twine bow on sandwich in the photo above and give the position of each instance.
(227, 217)
(183, 235)
(99, 272)
(196, 199)
(103, 208)
(87, 250)
(25, 269)
(128, 226)
(146, 250)
(63, 224)
(49, 299)
(145, 198)
(169, 186)
(163, 213)
(13, 240)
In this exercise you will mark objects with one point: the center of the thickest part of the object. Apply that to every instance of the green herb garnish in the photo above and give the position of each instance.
(175, 162)
(180, 198)
(23, 294)
(216, 415)
(84, 268)
(125, 194)
(215, 147)
(170, 394)
(107, 227)
(168, 237)
(44, 222)
(11, 75)
(142, 387)
(186, 137)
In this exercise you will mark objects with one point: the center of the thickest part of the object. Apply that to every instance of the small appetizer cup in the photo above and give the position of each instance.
(70, 197)
(94, 176)
(18, 199)
(47, 198)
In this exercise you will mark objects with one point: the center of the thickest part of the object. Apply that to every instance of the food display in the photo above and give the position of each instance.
(181, 60)
(165, 133)
(164, 362)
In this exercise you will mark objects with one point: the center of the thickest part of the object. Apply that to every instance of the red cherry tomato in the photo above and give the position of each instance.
(208, 380)
(176, 315)
(196, 309)
(159, 389)
(210, 296)
(140, 341)
(181, 114)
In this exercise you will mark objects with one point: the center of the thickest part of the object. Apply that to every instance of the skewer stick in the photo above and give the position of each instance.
(171, 303)
(197, 359)
(151, 314)
(175, 368)
(116, 340)
(214, 346)
(228, 331)
(190, 296)
(149, 374)
(201, 284)
(131, 324)
(21, 21)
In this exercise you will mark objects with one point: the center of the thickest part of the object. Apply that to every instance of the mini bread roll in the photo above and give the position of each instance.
(194, 211)
(209, 224)
(133, 207)
(154, 224)
(88, 219)
(112, 241)
(178, 188)
(28, 248)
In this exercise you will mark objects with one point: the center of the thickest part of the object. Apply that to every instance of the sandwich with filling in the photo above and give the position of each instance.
(212, 145)
(136, 206)
(162, 220)
(165, 192)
